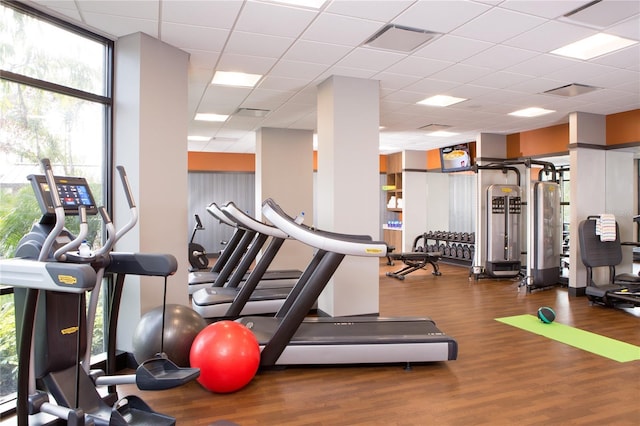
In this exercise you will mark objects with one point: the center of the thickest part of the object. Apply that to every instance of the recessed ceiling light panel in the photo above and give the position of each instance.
(195, 138)
(211, 117)
(238, 79)
(441, 100)
(531, 112)
(399, 38)
(443, 133)
(594, 46)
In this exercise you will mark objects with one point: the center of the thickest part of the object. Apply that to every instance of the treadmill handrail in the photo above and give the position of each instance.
(214, 210)
(246, 221)
(330, 241)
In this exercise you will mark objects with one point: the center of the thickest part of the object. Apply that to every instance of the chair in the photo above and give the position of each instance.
(620, 288)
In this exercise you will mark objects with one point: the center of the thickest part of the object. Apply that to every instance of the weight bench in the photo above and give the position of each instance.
(414, 260)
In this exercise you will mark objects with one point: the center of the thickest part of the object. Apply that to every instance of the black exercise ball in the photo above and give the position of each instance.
(182, 325)
(546, 314)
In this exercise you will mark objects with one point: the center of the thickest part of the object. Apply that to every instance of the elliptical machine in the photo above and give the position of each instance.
(54, 324)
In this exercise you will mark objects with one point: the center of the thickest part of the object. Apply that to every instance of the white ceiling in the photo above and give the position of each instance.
(494, 53)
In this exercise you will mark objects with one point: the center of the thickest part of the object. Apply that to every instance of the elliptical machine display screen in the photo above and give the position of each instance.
(72, 191)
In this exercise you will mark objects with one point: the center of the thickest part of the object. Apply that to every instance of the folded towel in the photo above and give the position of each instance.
(606, 227)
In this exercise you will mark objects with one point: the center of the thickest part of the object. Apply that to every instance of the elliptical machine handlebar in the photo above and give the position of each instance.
(61, 254)
(132, 205)
(59, 211)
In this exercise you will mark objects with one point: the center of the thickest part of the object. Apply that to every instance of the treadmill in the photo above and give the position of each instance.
(289, 338)
(254, 299)
(233, 253)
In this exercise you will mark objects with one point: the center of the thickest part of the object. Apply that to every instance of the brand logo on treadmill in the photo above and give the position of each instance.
(373, 250)
(343, 323)
(69, 330)
(67, 279)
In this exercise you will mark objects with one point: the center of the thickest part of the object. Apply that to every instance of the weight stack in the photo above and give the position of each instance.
(547, 234)
(504, 209)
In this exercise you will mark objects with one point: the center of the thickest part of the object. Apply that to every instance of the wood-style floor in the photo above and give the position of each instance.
(503, 376)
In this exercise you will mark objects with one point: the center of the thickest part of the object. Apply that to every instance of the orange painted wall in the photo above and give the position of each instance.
(233, 162)
(548, 140)
(221, 162)
(623, 127)
(433, 159)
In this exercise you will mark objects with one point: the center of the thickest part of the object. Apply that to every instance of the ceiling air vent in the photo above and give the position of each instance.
(399, 38)
(570, 90)
(252, 112)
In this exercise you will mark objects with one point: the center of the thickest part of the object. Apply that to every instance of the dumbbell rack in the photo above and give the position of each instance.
(456, 247)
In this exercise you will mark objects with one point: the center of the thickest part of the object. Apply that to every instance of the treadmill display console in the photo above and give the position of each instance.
(73, 192)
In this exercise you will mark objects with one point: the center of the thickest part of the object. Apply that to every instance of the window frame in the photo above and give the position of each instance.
(9, 404)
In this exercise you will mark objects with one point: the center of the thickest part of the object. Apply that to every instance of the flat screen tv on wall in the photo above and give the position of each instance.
(455, 158)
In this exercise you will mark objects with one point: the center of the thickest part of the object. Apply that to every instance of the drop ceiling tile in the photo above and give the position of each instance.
(119, 26)
(63, 8)
(421, 67)
(295, 69)
(605, 13)
(148, 10)
(242, 43)
(266, 99)
(461, 73)
(440, 16)
(549, 36)
(392, 81)
(451, 48)
(628, 58)
(428, 86)
(375, 10)
(500, 79)
(629, 28)
(581, 72)
(545, 9)
(498, 25)
(282, 20)
(214, 14)
(245, 63)
(281, 83)
(198, 38)
(499, 57)
(352, 32)
(370, 59)
(542, 65)
(537, 85)
(317, 53)
(222, 100)
(345, 72)
(201, 58)
(614, 78)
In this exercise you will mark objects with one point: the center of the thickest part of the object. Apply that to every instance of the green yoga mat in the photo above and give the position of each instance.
(590, 342)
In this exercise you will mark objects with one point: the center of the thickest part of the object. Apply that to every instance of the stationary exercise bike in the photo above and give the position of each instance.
(54, 324)
(197, 254)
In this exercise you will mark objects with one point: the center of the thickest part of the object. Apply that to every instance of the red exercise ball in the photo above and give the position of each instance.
(227, 354)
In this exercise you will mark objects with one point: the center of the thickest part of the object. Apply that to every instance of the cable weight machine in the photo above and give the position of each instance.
(534, 205)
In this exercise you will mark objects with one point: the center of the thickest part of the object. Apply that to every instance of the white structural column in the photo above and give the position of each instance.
(348, 192)
(284, 172)
(150, 141)
(602, 181)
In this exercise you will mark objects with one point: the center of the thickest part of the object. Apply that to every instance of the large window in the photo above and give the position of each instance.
(55, 102)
